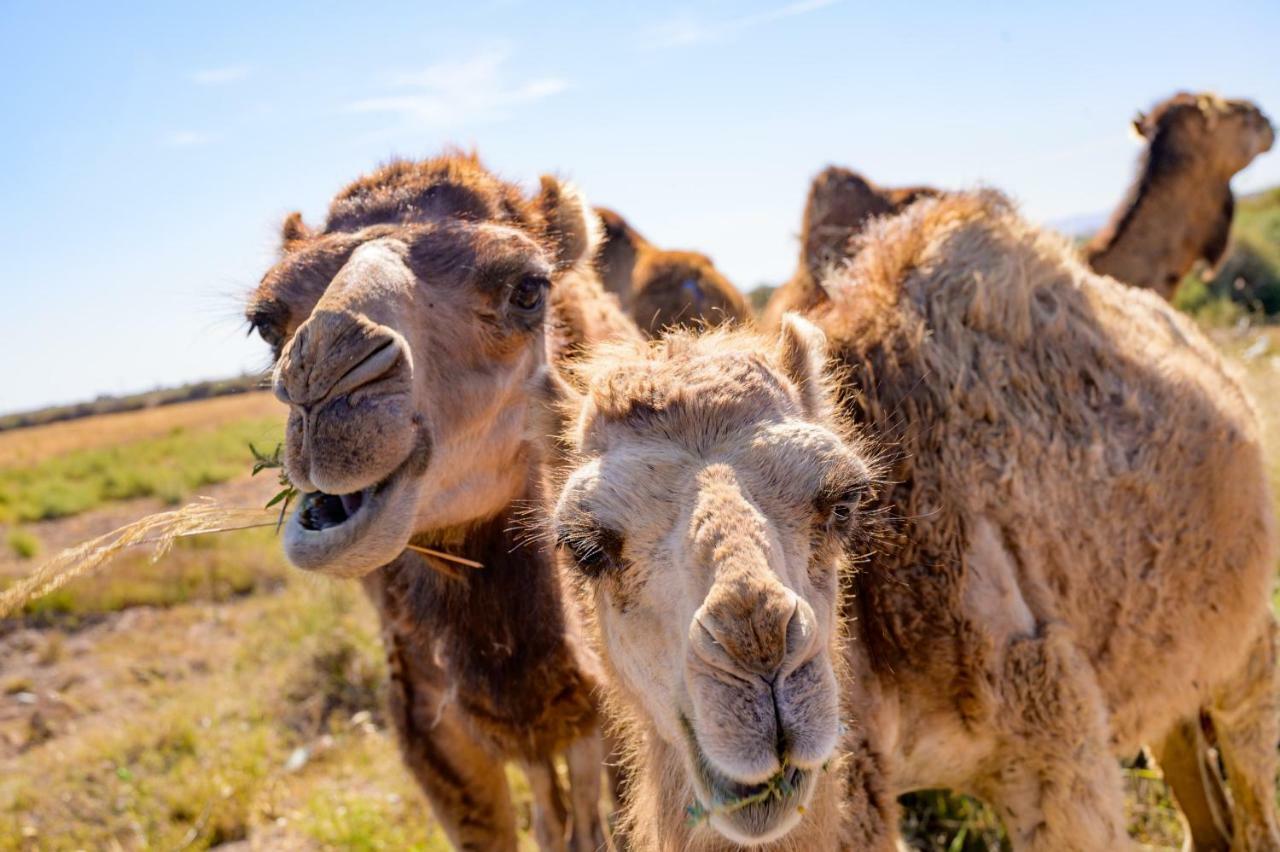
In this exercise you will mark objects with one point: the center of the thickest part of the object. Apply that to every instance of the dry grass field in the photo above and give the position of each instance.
(218, 698)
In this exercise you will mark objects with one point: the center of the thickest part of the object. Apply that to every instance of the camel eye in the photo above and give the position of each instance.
(267, 319)
(529, 293)
(593, 551)
(269, 334)
(841, 508)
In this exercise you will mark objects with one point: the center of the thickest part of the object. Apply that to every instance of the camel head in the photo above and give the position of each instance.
(837, 208)
(674, 288)
(707, 502)
(405, 332)
(1226, 134)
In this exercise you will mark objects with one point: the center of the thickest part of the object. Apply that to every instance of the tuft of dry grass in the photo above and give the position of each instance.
(159, 531)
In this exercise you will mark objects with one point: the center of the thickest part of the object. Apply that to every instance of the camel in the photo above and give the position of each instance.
(983, 520)
(839, 205)
(620, 248)
(675, 288)
(405, 332)
(1178, 210)
(663, 289)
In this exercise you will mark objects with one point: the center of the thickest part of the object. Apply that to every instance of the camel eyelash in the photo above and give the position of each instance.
(594, 551)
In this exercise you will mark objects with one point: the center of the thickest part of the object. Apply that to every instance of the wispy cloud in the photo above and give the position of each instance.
(687, 30)
(185, 139)
(449, 94)
(220, 76)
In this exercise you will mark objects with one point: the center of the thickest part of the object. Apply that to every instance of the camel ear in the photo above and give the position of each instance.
(572, 227)
(802, 354)
(293, 232)
(554, 402)
(1139, 125)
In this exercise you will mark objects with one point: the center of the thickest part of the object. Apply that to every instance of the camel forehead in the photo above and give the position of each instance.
(432, 190)
(695, 401)
(644, 476)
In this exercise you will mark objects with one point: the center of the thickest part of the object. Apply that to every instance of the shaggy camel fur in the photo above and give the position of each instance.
(839, 205)
(1179, 208)
(406, 331)
(664, 289)
(1062, 550)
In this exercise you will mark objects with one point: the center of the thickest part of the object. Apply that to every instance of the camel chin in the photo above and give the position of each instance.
(749, 814)
(350, 535)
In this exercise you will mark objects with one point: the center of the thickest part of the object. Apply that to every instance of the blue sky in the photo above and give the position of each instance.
(148, 152)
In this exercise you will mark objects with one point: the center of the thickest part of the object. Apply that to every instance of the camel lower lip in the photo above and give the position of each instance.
(749, 813)
(351, 534)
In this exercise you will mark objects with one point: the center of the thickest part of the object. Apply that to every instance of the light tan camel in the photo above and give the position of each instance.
(406, 331)
(1179, 208)
(986, 522)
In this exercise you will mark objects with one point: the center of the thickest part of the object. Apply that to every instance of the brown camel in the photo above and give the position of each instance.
(405, 333)
(839, 206)
(675, 288)
(986, 522)
(1178, 210)
(664, 289)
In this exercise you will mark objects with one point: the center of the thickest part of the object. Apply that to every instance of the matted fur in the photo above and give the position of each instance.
(1178, 209)
(1074, 540)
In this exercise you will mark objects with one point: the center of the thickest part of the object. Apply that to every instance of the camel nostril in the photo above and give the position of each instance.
(333, 355)
(374, 366)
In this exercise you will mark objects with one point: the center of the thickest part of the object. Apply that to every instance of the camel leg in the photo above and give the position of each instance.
(585, 759)
(550, 816)
(464, 782)
(1198, 790)
(1053, 779)
(1244, 714)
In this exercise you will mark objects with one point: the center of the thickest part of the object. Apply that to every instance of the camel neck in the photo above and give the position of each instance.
(1168, 219)
(496, 630)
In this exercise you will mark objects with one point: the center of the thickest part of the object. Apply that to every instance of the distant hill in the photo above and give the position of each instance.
(132, 402)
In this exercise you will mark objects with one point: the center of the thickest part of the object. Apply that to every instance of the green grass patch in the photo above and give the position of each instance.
(1248, 279)
(170, 467)
(23, 543)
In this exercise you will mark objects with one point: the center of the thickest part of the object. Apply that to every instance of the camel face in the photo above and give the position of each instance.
(675, 288)
(1229, 133)
(404, 333)
(405, 384)
(708, 514)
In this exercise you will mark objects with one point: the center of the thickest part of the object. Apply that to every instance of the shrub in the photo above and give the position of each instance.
(24, 543)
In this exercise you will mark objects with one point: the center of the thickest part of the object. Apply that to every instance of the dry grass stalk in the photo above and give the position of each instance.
(159, 530)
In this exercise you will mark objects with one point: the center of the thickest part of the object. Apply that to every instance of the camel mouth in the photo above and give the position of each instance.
(348, 535)
(320, 511)
(749, 813)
